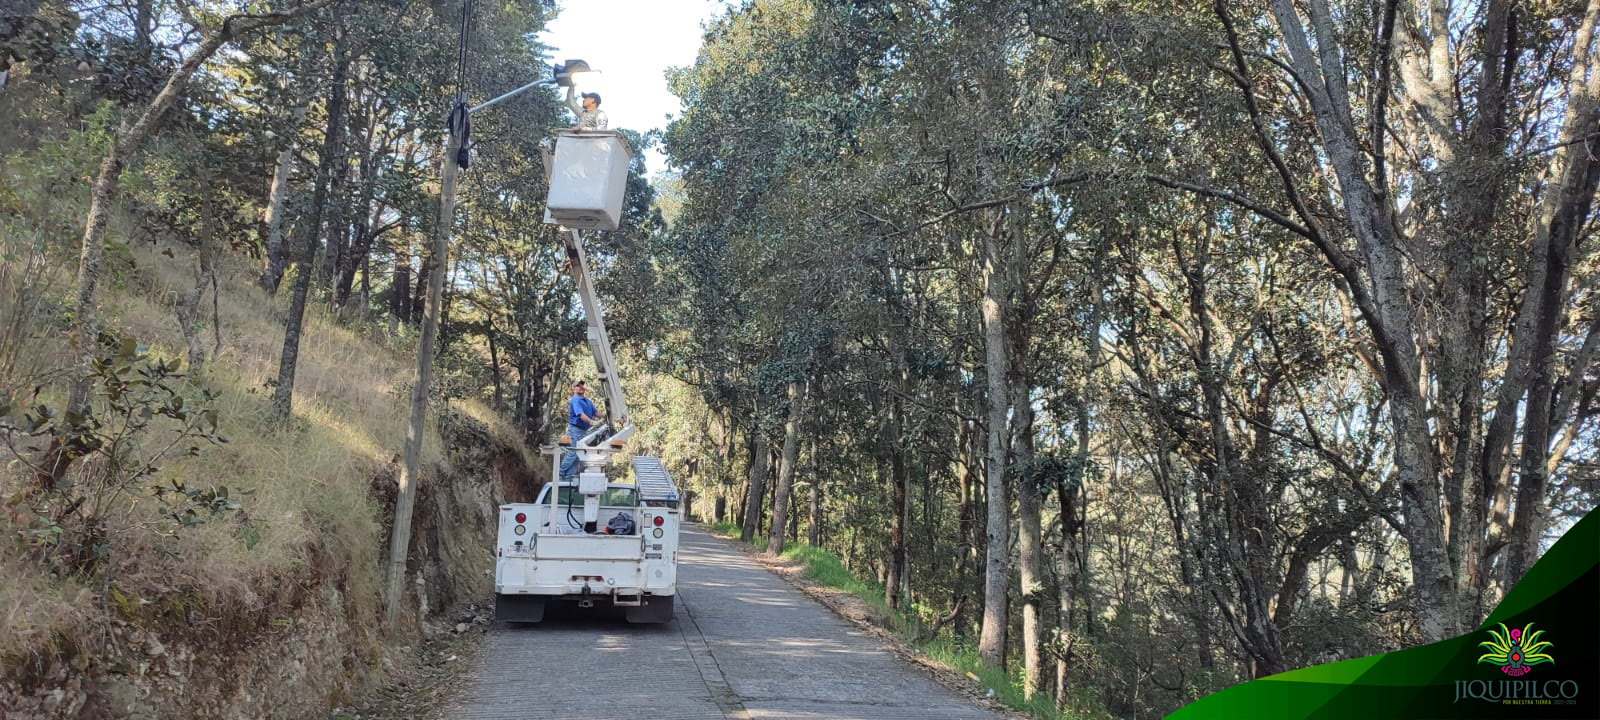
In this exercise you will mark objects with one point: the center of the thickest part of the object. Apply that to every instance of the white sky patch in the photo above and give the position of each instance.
(631, 43)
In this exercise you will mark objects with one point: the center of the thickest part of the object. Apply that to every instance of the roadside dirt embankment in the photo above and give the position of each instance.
(299, 642)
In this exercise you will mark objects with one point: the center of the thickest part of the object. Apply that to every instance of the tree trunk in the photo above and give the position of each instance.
(1527, 526)
(758, 482)
(365, 234)
(814, 526)
(791, 448)
(277, 194)
(966, 514)
(1387, 309)
(794, 531)
(1069, 493)
(283, 393)
(1029, 501)
(774, 464)
(276, 259)
(400, 286)
(723, 460)
(189, 303)
(992, 641)
(524, 394)
(494, 370)
(1067, 579)
(1029, 553)
(893, 447)
(742, 501)
(365, 303)
(336, 247)
(419, 291)
(405, 500)
(1562, 217)
(449, 299)
(366, 213)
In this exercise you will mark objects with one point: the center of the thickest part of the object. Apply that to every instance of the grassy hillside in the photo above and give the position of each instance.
(310, 528)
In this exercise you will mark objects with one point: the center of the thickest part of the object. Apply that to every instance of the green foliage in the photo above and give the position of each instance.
(191, 506)
(142, 413)
(29, 311)
(839, 169)
(827, 569)
(1049, 471)
(45, 189)
(963, 658)
(153, 514)
(1208, 402)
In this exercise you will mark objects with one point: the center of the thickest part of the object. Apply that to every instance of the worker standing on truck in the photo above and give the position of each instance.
(581, 417)
(590, 116)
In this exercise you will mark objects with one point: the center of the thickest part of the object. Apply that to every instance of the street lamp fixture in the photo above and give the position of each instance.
(563, 72)
(560, 75)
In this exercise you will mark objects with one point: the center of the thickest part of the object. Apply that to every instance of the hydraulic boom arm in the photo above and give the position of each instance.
(599, 341)
(594, 454)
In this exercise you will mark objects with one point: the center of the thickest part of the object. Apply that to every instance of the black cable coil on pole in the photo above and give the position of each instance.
(461, 117)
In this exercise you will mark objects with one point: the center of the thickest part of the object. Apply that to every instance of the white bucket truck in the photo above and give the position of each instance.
(591, 540)
(547, 553)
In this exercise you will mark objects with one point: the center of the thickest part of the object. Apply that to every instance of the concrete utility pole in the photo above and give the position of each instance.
(406, 499)
(406, 496)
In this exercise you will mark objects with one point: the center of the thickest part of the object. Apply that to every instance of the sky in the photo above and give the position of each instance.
(631, 43)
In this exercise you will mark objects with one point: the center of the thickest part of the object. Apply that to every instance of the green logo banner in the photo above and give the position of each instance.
(1536, 656)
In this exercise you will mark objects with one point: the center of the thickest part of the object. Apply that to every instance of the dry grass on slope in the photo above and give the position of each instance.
(309, 529)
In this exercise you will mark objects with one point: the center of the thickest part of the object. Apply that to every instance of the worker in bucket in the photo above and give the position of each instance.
(590, 116)
(581, 417)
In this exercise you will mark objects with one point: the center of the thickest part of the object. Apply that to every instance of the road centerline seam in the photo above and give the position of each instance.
(711, 674)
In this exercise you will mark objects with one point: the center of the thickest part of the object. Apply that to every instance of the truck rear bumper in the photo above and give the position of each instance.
(574, 593)
(544, 576)
(642, 608)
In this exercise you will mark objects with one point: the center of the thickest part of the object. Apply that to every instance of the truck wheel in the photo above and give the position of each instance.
(656, 609)
(519, 608)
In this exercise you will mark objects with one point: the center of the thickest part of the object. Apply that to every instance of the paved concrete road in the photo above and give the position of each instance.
(742, 644)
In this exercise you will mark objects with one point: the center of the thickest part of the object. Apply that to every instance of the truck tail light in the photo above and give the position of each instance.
(522, 517)
(659, 520)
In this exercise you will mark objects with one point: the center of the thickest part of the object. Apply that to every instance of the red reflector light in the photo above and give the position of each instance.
(522, 517)
(659, 520)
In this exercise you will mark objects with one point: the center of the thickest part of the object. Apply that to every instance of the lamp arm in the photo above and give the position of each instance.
(509, 95)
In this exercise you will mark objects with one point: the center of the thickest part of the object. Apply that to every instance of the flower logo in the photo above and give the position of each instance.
(1515, 650)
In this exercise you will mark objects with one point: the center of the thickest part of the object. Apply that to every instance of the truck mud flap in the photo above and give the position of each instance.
(519, 608)
(656, 609)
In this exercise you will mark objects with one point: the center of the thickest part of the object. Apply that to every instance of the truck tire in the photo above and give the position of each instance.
(656, 609)
(519, 608)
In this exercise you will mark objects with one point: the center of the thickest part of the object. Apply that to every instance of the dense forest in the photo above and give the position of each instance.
(1140, 348)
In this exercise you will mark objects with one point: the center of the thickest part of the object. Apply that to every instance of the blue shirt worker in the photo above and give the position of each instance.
(581, 417)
